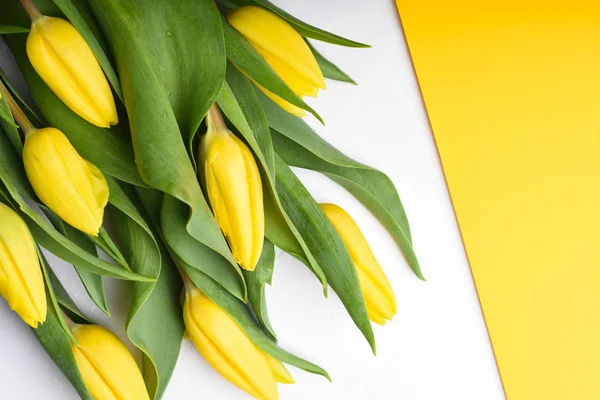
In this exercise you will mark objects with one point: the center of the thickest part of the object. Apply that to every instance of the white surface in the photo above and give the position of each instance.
(437, 346)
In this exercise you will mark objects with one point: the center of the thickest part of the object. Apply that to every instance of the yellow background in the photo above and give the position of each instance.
(512, 89)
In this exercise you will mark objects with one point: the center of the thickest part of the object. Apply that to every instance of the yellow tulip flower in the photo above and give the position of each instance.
(106, 366)
(21, 279)
(63, 60)
(234, 190)
(376, 289)
(285, 51)
(228, 350)
(70, 186)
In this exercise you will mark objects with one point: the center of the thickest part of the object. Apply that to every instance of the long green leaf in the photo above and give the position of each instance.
(247, 59)
(302, 27)
(255, 280)
(58, 346)
(329, 69)
(91, 282)
(8, 29)
(326, 245)
(66, 303)
(197, 255)
(278, 227)
(148, 43)
(154, 323)
(51, 297)
(300, 146)
(243, 317)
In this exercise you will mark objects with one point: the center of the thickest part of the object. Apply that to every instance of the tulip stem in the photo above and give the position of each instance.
(215, 117)
(31, 9)
(16, 111)
(68, 320)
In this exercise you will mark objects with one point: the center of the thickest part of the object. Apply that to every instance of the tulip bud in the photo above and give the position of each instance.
(21, 279)
(284, 49)
(70, 186)
(227, 349)
(376, 289)
(63, 60)
(235, 192)
(106, 366)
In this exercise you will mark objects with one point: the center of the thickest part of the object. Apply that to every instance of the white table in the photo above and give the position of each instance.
(437, 348)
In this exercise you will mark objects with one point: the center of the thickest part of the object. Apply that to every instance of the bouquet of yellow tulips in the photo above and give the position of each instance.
(162, 138)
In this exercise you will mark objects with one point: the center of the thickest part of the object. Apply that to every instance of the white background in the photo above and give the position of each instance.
(437, 346)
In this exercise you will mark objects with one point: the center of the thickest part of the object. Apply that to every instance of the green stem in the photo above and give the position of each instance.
(216, 118)
(16, 111)
(31, 10)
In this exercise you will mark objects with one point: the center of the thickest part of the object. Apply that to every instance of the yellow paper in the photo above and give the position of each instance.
(512, 89)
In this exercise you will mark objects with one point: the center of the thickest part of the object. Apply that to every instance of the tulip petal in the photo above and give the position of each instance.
(235, 194)
(64, 181)
(224, 345)
(274, 38)
(108, 369)
(375, 286)
(21, 279)
(257, 210)
(62, 58)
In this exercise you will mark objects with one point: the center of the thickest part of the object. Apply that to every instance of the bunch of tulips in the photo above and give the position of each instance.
(162, 136)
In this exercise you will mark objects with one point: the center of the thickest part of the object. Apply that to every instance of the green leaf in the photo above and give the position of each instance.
(106, 244)
(15, 181)
(154, 324)
(197, 255)
(65, 302)
(58, 346)
(325, 244)
(160, 76)
(8, 29)
(302, 27)
(329, 69)
(243, 317)
(248, 60)
(79, 14)
(91, 282)
(301, 147)
(255, 280)
(279, 229)
(51, 298)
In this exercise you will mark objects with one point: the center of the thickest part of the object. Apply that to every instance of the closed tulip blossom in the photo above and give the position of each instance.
(285, 51)
(65, 62)
(376, 289)
(227, 348)
(106, 366)
(21, 279)
(70, 186)
(234, 190)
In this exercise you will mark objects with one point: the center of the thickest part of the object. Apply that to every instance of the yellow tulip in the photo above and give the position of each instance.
(234, 190)
(106, 366)
(70, 186)
(21, 279)
(376, 289)
(228, 350)
(63, 59)
(285, 51)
